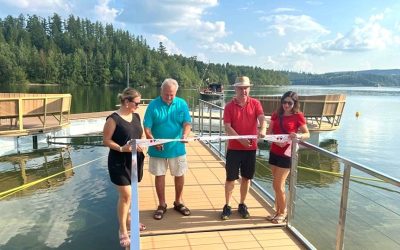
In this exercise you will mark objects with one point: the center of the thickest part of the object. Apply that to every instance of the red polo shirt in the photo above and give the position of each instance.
(243, 120)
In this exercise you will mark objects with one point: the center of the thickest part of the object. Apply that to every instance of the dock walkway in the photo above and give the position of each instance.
(204, 195)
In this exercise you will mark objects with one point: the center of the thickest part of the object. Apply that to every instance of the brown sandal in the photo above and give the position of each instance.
(271, 217)
(182, 209)
(159, 213)
(279, 219)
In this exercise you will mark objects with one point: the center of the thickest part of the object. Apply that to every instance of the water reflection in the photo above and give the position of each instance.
(20, 169)
(315, 169)
(62, 212)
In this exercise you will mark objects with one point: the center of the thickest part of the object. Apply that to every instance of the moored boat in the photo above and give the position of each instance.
(213, 91)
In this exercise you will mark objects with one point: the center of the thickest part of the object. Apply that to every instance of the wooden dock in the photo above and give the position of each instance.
(25, 114)
(322, 112)
(204, 196)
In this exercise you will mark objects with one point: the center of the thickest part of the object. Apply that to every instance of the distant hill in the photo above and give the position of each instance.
(381, 72)
(388, 77)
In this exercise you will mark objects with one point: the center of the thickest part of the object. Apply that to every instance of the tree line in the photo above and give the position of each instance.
(77, 51)
(372, 78)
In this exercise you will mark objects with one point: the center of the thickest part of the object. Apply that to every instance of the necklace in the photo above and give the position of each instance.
(127, 117)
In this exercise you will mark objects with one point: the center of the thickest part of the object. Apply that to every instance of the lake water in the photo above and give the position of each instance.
(78, 208)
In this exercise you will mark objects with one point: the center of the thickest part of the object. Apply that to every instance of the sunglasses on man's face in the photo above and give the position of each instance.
(288, 102)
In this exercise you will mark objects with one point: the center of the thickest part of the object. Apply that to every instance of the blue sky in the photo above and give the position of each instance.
(308, 36)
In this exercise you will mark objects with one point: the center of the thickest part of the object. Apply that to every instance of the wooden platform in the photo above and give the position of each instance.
(204, 195)
(25, 113)
(322, 112)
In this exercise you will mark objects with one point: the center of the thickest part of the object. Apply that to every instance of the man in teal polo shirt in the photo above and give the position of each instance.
(167, 117)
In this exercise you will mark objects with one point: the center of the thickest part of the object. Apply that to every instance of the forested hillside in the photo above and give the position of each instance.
(351, 78)
(78, 51)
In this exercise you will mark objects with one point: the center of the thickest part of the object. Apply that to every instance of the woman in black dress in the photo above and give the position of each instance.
(120, 127)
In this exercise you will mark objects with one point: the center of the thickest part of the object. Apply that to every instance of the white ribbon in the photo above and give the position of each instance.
(153, 142)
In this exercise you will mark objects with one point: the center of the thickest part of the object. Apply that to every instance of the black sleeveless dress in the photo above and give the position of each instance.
(120, 164)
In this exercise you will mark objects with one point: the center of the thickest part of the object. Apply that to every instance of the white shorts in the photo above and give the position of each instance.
(177, 165)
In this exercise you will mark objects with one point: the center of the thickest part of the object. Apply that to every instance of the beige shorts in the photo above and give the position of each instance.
(177, 166)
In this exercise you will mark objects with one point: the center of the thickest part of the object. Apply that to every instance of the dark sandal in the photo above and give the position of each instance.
(279, 219)
(159, 213)
(182, 209)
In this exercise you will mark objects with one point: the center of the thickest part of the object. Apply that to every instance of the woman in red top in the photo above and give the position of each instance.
(286, 120)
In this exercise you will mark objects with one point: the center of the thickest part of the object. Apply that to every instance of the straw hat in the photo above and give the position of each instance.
(242, 81)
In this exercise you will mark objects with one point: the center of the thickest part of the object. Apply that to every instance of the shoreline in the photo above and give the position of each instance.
(43, 84)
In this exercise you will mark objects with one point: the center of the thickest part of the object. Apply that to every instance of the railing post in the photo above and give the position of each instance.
(220, 132)
(20, 114)
(201, 108)
(292, 182)
(45, 112)
(343, 208)
(61, 111)
(210, 121)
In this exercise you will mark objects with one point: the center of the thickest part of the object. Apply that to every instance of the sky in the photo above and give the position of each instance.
(303, 36)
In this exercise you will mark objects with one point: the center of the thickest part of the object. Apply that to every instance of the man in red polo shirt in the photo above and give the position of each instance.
(242, 115)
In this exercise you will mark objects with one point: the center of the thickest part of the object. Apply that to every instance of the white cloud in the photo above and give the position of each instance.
(169, 45)
(43, 5)
(208, 31)
(260, 12)
(271, 63)
(397, 26)
(298, 63)
(280, 10)
(304, 48)
(167, 16)
(314, 2)
(365, 35)
(173, 16)
(303, 66)
(291, 23)
(202, 57)
(104, 12)
(235, 48)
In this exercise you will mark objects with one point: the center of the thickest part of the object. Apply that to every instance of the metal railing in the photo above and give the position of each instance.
(208, 113)
(344, 199)
(214, 114)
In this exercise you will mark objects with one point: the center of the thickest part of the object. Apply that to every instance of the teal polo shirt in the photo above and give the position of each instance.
(166, 122)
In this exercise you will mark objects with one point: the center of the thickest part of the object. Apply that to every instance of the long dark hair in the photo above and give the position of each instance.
(294, 97)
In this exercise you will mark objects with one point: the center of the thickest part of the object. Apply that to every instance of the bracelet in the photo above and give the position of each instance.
(120, 149)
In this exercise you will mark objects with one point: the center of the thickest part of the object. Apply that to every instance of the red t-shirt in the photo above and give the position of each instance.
(290, 123)
(243, 120)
